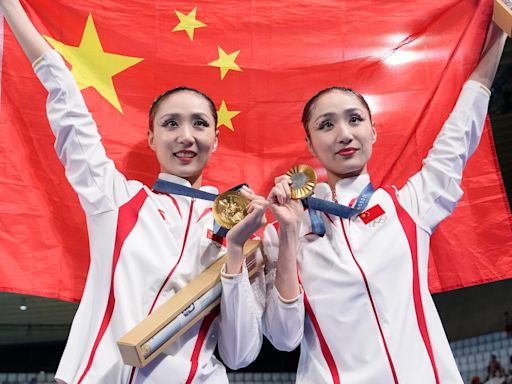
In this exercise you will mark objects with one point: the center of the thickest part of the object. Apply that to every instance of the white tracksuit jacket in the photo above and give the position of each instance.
(366, 315)
(144, 247)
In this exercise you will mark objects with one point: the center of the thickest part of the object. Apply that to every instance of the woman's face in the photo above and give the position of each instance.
(184, 135)
(341, 134)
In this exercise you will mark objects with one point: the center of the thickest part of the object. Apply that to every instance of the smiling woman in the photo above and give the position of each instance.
(340, 131)
(183, 132)
(355, 296)
(146, 245)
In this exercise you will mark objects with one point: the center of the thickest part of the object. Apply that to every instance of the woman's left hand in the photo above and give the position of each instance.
(255, 218)
(241, 232)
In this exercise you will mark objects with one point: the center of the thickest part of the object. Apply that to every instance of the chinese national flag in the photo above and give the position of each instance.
(260, 61)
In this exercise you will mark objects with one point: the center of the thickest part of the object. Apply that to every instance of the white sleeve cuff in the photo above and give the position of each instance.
(289, 301)
(37, 62)
(49, 56)
(233, 276)
(477, 85)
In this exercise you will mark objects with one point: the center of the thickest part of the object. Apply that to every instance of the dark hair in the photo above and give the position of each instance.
(306, 114)
(170, 92)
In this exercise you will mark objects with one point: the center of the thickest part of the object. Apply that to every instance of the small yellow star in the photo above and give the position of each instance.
(225, 116)
(93, 67)
(226, 62)
(188, 23)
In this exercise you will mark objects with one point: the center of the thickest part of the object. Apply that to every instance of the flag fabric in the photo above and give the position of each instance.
(260, 62)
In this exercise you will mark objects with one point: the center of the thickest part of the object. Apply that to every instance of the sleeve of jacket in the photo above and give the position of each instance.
(432, 193)
(91, 173)
(283, 320)
(241, 309)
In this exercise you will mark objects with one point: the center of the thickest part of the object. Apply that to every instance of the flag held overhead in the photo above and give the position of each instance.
(260, 68)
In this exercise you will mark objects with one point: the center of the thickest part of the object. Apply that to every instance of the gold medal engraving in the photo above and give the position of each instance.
(229, 208)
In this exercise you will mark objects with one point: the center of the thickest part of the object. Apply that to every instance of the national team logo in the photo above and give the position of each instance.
(378, 221)
(373, 216)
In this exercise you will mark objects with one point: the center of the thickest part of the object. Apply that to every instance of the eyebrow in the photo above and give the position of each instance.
(196, 115)
(330, 115)
(353, 110)
(200, 115)
(325, 115)
(169, 116)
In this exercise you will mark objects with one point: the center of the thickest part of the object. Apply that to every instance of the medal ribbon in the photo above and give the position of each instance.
(313, 204)
(182, 190)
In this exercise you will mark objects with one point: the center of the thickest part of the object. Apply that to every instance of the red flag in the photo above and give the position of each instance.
(260, 61)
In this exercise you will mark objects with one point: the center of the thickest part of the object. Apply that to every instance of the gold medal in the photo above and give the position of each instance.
(229, 208)
(303, 181)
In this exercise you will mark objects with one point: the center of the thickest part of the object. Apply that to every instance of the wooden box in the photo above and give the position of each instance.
(136, 345)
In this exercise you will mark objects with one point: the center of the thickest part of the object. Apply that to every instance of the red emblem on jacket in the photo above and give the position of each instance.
(371, 214)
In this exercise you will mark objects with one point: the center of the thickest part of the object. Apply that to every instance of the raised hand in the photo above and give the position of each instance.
(490, 57)
(286, 210)
(253, 221)
(242, 231)
(28, 37)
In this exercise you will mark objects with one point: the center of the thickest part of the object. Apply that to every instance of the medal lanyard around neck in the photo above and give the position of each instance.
(313, 204)
(182, 190)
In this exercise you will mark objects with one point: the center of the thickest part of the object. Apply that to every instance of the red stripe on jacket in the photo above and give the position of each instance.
(126, 220)
(409, 227)
(203, 331)
(388, 355)
(323, 344)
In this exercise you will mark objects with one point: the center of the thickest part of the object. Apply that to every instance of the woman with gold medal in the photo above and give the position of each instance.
(352, 293)
(146, 243)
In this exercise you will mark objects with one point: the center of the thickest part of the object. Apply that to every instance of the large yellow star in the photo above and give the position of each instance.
(93, 67)
(225, 116)
(226, 62)
(188, 23)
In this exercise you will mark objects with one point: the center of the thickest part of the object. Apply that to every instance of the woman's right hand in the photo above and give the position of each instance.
(286, 210)
(490, 57)
(28, 37)
(288, 213)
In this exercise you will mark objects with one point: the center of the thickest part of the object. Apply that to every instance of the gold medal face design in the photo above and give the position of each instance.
(229, 208)
(303, 181)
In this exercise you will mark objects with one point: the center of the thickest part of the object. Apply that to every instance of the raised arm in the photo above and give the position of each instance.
(28, 37)
(284, 313)
(242, 301)
(432, 194)
(91, 173)
(486, 69)
(287, 212)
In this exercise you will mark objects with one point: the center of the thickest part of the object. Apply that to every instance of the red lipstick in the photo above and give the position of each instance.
(349, 151)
